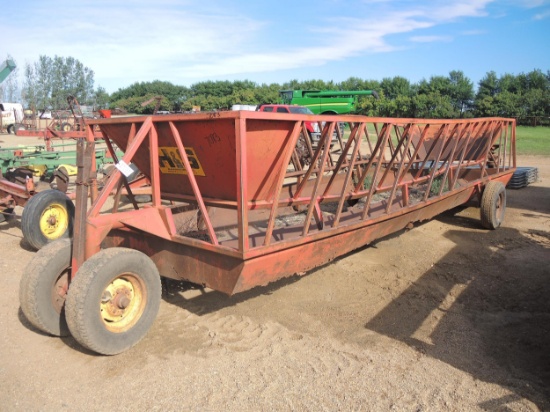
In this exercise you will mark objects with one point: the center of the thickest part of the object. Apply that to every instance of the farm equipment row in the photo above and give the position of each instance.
(240, 199)
(63, 124)
(47, 214)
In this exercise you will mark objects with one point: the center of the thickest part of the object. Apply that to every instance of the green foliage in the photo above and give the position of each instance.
(436, 186)
(50, 81)
(461, 91)
(131, 98)
(309, 85)
(506, 104)
(355, 83)
(488, 86)
(522, 96)
(367, 183)
(101, 98)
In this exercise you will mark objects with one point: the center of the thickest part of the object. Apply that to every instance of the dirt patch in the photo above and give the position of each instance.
(446, 316)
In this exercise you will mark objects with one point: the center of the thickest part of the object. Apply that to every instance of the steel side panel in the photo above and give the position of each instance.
(176, 261)
(214, 146)
(267, 268)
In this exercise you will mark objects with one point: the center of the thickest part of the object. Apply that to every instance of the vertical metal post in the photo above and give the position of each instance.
(242, 184)
(85, 151)
(354, 137)
(435, 163)
(280, 180)
(314, 196)
(407, 135)
(154, 166)
(380, 146)
(194, 185)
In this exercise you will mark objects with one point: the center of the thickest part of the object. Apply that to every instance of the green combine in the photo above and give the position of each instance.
(326, 101)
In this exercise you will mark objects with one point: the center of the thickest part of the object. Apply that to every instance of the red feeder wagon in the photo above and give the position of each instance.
(241, 199)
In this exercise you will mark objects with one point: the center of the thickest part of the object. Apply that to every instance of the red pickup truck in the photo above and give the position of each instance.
(312, 127)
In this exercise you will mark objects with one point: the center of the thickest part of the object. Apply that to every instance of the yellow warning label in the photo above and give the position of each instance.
(171, 162)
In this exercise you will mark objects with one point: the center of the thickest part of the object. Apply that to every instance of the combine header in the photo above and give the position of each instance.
(241, 199)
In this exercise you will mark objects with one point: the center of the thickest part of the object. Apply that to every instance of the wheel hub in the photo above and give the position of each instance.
(115, 304)
(59, 291)
(121, 303)
(54, 221)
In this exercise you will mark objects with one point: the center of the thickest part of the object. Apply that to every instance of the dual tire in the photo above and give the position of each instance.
(111, 302)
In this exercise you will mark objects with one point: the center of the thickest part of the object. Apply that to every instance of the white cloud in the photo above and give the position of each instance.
(346, 37)
(173, 40)
(459, 9)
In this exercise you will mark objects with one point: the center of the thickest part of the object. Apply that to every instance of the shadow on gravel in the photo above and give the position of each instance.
(201, 301)
(14, 221)
(531, 199)
(484, 309)
(23, 320)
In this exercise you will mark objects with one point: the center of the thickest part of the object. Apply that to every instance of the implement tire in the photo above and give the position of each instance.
(493, 205)
(113, 300)
(43, 288)
(47, 216)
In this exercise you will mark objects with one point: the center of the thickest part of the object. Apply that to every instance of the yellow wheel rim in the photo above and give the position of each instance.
(122, 303)
(54, 221)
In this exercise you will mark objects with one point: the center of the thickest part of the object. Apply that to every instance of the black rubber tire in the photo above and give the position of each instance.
(11, 129)
(493, 205)
(36, 207)
(66, 127)
(38, 286)
(87, 294)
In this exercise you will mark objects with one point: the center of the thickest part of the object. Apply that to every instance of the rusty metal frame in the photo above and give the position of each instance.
(401, 157)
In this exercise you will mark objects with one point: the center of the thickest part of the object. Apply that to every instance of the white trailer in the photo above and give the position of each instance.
(10, 114)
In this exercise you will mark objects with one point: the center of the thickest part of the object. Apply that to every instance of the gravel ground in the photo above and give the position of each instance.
(446, 316)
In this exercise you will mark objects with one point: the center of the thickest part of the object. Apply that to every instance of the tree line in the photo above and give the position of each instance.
(49, 81)
(522, 96)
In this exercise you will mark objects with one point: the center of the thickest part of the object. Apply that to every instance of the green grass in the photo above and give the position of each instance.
(529, 140)
(533, 140)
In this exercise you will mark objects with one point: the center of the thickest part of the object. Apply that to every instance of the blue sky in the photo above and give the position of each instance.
(185, 42)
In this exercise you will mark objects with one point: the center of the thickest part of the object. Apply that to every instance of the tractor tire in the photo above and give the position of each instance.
(43, 288)
(493, 205)
(113, 300)
(47, 216)
(66, 127)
